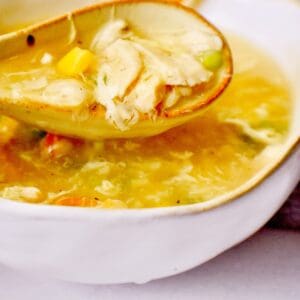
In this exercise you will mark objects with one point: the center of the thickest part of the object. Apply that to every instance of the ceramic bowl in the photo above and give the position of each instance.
(96, 246)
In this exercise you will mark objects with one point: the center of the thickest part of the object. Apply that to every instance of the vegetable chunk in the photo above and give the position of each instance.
(75, 62)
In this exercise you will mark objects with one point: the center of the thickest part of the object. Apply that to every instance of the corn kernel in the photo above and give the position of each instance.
(75, 62)
(114, 204)
(8, 128)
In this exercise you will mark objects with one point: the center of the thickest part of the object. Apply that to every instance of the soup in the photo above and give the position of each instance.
(192, 163)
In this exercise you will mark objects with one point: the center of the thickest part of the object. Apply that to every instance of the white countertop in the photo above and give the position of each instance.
(267, 266)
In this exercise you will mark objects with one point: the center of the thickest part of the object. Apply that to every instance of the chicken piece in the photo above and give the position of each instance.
(147, 93)
(121, 66)
(159, 61)
(174, 68)
(174, 95)
(108, 35)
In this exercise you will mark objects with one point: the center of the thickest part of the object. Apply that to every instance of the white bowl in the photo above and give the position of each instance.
(95, 246)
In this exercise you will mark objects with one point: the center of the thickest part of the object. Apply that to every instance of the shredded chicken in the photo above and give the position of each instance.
(265, 136)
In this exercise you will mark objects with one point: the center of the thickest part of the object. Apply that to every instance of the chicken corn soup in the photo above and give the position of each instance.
(195, 162)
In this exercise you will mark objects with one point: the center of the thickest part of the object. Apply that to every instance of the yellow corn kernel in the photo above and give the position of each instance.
(75, 62)
(8, 128)
(114, 204)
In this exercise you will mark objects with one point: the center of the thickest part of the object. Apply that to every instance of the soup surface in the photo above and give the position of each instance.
(192, 163)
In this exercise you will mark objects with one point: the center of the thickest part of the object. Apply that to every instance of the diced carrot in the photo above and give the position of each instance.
(76, 201)
(52, 138)
(58, 146)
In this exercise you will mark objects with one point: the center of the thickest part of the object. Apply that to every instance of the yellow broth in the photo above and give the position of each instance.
(188, 164)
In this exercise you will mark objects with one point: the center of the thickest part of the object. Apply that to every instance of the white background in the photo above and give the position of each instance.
(267, 266)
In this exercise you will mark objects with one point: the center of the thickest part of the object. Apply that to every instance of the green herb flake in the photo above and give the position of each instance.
(104, 79)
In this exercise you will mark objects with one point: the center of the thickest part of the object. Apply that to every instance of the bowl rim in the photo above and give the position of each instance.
(40, 211)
